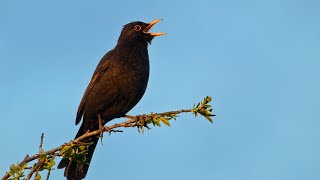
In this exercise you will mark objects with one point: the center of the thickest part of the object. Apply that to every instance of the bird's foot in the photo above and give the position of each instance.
(101, 128)
(105, 128)
(141, 123)
(108, 130)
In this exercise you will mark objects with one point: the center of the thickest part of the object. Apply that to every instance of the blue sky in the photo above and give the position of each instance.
(259, 60)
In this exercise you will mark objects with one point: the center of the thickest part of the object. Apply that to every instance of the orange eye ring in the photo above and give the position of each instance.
(137, 28)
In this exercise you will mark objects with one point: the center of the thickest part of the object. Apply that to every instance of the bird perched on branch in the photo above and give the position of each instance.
(117, 85)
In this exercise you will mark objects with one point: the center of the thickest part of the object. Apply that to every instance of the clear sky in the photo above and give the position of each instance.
(259, 60)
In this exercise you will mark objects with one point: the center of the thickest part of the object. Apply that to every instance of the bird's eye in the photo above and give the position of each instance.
(137, 28)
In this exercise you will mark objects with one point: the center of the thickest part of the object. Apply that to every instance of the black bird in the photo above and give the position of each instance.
(117, 85)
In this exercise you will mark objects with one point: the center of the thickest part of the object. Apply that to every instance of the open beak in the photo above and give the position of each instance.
(152, 23)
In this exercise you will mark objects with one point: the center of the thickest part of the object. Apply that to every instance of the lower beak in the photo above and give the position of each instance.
(152, 23)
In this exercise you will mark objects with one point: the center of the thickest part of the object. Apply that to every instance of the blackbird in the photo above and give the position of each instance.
(117, 85)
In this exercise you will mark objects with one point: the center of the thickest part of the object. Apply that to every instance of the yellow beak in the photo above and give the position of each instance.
(152, 23)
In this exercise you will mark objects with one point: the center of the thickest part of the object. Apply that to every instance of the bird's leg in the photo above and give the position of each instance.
(101, 127)
(141, 122)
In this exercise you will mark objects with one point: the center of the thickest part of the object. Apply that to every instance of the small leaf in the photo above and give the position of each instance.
(209, 119)
(38, 176)
(15, 168)
(50, 163)
(24, 166)
(165, 121)
(157, 122)
(11, 172)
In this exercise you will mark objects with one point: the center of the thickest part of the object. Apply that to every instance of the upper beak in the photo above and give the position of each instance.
(152, 23)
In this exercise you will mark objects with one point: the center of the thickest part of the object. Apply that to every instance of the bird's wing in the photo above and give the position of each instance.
(102, 67)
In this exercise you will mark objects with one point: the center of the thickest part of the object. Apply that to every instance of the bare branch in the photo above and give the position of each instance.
(139, 121)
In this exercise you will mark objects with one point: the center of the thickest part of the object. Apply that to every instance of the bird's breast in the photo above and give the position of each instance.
(130, 78)
(121, 86)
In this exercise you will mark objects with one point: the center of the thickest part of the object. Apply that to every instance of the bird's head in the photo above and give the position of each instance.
(138, 32)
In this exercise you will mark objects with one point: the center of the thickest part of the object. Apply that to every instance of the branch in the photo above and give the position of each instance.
(46, 158)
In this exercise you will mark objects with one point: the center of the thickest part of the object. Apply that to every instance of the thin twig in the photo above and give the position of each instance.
(48, 175)
(40, 150)
(33, 170)
(41, 142)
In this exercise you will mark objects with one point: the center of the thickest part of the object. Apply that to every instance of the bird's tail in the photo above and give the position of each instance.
(74, 170)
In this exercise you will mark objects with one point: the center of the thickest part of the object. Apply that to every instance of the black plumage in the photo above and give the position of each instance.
(117, 85)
